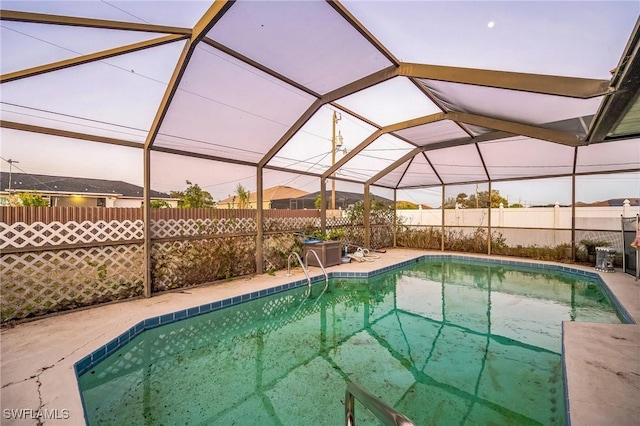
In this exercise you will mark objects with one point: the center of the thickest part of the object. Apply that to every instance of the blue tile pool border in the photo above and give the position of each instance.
(88, 362)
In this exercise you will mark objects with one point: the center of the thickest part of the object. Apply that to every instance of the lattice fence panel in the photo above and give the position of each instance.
(381, 236)
(190, 227)
(38, 234)
(49, 281)
(354, 235)
(613, 238)
(336, 221)
(185, 263)
(276, 249)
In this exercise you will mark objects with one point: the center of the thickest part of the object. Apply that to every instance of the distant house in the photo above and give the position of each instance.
(308, 201)
(612, 202)
(65, 191)
(268, 195)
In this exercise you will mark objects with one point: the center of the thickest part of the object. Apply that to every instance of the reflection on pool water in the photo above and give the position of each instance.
(442, 341)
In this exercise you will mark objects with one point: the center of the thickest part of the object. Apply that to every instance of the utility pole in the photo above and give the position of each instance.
(335, 144)
(10, 161)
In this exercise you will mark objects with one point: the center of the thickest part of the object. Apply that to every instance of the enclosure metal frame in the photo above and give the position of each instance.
(621, 92)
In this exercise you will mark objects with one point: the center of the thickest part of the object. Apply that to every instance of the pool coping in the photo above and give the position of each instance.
(38, 356)
(91, 360)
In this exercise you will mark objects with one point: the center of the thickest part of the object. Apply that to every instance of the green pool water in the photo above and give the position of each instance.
(444, 342)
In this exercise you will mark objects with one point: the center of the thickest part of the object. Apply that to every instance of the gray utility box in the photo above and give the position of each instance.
(329, 253)
(604, 259)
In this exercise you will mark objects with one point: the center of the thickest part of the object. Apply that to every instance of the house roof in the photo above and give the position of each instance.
(72, 185)
(343, 197)
(612, 202)
(273, 193)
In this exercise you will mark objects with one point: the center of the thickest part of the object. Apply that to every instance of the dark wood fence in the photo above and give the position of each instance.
(29, 215)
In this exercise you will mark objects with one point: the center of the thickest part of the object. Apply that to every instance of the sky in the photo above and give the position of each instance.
(118, 97)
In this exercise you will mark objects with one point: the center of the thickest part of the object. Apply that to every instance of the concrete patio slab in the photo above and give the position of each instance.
(37, 357)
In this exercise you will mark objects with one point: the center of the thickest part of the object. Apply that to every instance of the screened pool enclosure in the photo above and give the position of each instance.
(429, 94)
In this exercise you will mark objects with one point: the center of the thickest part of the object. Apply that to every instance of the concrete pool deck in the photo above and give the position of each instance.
(602, 361)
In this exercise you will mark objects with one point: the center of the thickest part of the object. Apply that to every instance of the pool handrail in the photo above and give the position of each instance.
(387, 415)
(302, 265)
(306, 262)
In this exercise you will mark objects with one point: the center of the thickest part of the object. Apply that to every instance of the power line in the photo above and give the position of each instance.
(128, 71)
(124, 11)
(11, 165)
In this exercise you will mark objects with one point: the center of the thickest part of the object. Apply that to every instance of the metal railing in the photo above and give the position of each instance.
(302, 265)
(306, 262)
(387, 415)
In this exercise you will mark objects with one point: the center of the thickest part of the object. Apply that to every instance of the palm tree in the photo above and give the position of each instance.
(243, 197)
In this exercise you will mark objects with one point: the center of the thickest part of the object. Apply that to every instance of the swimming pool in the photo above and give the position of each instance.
(443, 341)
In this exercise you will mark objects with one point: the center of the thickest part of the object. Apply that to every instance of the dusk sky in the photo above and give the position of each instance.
(118, 97)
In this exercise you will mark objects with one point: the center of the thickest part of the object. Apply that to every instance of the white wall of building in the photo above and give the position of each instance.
(127, 202)
(135, 202)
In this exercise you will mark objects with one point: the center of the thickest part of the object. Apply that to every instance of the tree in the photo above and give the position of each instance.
(28, 199)
(450, 203)
(496, 199)
(461, 199)
(159, 204)
(379, 213)
(243, 197)
(317, 203)
(406, 205)
(480, 199)
(193, 197)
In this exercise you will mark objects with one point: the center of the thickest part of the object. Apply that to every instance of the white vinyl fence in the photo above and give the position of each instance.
(534, 226)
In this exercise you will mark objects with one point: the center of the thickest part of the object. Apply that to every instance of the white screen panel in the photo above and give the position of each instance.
(610, 186)
(390, 102)
(377, 156)
(310, 148)
(525, 157)
(512, 105)
(40, 117)
(439, 131)
(166, 12)
(170, 173)
(26, 45)
(428, 199)
(393, 177)
(580, 39)
(458, 164)
(39, 154)
(226, 107)
(284, 180)
(306, 41)
(618, 155)
(117, 97)
(419, 173)
(534, 192)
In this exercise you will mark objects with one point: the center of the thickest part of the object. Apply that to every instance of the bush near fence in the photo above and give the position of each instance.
(59, 258)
